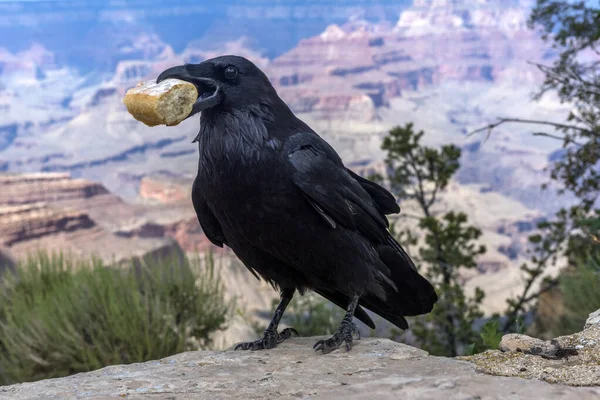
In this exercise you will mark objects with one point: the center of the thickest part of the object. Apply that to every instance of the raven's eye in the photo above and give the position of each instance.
(231, 72)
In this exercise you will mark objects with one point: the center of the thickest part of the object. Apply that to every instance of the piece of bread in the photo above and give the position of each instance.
(166, 103)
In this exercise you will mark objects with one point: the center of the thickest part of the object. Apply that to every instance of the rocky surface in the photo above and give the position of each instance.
(573, 359)
(517, 343)
(375, 368)
(593, 319)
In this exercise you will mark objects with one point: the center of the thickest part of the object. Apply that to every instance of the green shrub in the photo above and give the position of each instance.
(581, 296)
(60, 316)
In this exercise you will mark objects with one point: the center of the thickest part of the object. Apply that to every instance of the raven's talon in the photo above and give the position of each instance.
(331, 344)
(286, 334)
(245, 345)
(344, 335)
(356, 332)
(269, 340)
(318, 344)
(348, 346)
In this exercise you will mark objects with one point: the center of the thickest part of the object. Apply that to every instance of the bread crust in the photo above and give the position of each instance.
(166, 103)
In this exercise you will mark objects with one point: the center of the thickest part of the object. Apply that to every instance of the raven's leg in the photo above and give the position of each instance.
(345, 331)
(271, 337)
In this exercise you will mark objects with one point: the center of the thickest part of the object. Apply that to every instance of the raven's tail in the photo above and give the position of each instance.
(408, 293)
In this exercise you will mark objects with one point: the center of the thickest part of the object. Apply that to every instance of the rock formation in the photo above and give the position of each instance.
(54, 212)
(351, 70)
(166, 187)
(593, 319)
(38, 187)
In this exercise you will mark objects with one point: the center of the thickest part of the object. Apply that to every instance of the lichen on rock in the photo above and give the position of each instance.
(571, 360)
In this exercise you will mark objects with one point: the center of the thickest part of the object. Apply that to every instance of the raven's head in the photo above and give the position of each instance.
(226, 81)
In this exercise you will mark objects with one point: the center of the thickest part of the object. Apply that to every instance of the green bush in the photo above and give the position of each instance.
(60, 316)
(581, 296)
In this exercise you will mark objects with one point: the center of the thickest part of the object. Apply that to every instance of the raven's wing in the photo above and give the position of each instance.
(335, 192)
(208, 222)
(384, 200)
(344, 199)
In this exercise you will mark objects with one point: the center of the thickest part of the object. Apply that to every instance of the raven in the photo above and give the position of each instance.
(276, 193)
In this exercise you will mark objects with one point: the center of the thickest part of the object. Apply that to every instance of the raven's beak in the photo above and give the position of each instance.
(209, 93)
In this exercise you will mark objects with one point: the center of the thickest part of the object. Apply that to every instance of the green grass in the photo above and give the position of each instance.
(60, 316)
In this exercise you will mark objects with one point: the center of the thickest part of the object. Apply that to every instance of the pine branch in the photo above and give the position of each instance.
(549, 285)
(501, 121)
(550, 135)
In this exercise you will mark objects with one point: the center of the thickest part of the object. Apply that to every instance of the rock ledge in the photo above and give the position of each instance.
(375, 368)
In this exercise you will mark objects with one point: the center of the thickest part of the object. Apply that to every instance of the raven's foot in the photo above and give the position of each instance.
(343, 335)
(269, 340)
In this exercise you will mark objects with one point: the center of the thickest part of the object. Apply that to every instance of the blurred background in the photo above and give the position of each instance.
(481, 116)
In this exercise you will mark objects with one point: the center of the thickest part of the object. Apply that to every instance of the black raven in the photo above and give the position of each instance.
(280, 197)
